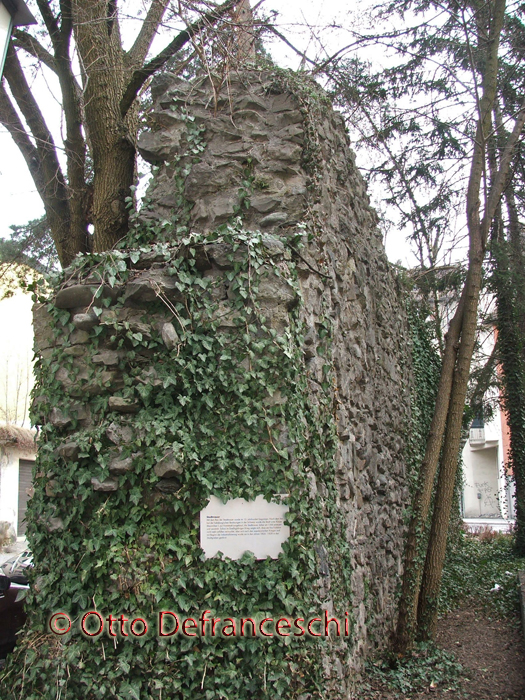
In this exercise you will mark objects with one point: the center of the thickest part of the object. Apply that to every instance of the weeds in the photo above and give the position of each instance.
(483, 568)
(480, 568)
(425, 668)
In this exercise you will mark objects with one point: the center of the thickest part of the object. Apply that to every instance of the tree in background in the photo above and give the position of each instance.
(429, 118)
(85, 203)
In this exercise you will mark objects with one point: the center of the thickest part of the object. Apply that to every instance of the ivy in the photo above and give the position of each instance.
(426, 368)
(234, 404)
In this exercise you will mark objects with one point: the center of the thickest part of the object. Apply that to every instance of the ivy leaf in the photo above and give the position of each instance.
(132, 690)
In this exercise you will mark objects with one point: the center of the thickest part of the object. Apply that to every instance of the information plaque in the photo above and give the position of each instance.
(240, 526)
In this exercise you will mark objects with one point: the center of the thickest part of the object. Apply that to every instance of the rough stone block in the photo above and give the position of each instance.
(284, 103)
(79, 337)
(159, 146)
(170, 336)
(273, 244)
(168, 486)
(168, 467)
(52, 488)
(68, 451)
(75, 351)
(207, 178)
(81, 295)
(53, 524)
(277, 289)
(85, 322)
(278, 218)
(106, 485)
(121, 466)
(109, 358)
(117, 403)
(120, 434)
(149, 285)
(265, 203)
(224, 256)
(59, 419)
(43, 328)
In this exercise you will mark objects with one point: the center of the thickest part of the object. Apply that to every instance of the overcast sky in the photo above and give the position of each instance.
(315, 28)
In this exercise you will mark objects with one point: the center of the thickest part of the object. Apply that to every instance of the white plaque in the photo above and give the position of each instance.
(240, 526)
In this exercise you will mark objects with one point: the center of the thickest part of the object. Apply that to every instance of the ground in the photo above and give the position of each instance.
(491, 651)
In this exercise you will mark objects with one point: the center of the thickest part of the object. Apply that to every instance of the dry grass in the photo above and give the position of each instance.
(14, 436)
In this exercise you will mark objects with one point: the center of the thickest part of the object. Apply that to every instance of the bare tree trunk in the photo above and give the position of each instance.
(98, 39)
(453, 383)
(437, 543)
(478, 228)
(416, 540)
(245, 36)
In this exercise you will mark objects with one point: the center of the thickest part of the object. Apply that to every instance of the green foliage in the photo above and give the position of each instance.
(31, 245)
(425, 667)
(426, 368)
(475, 566)
(27, 255)
(479, 570)
(508, 283)
(233, 405)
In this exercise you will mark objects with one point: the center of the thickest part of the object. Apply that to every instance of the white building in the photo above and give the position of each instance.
(17, 442)
(487, 498)
(17, 459)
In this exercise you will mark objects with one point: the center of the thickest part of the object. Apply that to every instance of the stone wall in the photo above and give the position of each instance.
(304, 173)
(266, 308)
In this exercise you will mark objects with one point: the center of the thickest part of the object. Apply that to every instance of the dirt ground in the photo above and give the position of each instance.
(491, 651)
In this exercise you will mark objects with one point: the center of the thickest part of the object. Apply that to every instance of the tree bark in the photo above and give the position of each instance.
(98, 40)
(452, 388)
(416, 540)
(43, 161)
(478, 228)
(437, 543)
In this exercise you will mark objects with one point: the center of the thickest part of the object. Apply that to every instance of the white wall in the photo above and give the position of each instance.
(484, 473)
(9, 457)
(16, 356)
(480, 468)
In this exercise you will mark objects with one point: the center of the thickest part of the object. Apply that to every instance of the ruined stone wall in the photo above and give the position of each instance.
(251, 341)
(304, 173)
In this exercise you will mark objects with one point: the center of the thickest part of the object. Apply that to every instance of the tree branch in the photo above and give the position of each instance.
(66, 25)
(51, 182)
(138, 52)
(289, 44)
(29, 107)
(50, 21)
(34, 48)
(485, 377)
(502, 176)
(12, 122)
(140, 76)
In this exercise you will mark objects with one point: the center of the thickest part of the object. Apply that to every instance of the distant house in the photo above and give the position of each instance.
(17, 459)
(17, 443)
(488, 491)
(16, 350)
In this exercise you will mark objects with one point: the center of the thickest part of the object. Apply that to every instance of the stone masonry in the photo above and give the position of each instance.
(294, 154)
(310, 178)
